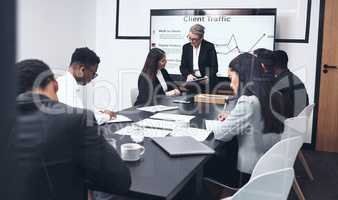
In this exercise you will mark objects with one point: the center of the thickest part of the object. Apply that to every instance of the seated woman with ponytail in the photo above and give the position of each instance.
(252, 116)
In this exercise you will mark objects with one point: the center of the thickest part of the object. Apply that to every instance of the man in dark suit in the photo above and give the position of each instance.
(199, 58)
(294, 94)
(56, 152)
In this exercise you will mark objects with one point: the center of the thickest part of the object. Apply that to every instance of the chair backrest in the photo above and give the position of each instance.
(295, 126)
(133, 95)
(281, 155)
(307, 111)
(274, 185)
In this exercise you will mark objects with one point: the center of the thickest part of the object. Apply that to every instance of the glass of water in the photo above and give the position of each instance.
(112, 142)
(137, 135)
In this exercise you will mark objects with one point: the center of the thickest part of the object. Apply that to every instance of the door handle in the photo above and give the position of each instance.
(326, 66)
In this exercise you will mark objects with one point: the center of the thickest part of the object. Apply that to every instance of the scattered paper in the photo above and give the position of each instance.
(157, 108)
(146, 132)
(172, 117)
(155, 123)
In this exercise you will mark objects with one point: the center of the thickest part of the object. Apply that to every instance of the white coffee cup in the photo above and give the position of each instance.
(131, 151)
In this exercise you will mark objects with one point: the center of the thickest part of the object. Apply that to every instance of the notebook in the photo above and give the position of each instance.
(181, 146)
(198, 79)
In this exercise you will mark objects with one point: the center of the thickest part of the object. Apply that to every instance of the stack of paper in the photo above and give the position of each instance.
(146, 132)
(196, 133)
(154, 123)
(157, 108)
(172, 117)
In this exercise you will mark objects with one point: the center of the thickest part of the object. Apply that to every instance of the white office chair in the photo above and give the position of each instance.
(133, 95)
(307, 112)
(273, 185)
(295, 126)
(281, 155)
(300, 126)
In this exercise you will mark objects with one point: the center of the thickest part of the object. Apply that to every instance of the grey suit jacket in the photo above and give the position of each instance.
(245, 121)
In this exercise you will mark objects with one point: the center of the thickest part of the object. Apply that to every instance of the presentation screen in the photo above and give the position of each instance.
(232, 31)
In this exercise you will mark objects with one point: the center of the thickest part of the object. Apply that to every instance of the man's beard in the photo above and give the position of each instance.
(81, 81)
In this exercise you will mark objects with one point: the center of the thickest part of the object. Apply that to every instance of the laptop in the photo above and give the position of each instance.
(183, 145)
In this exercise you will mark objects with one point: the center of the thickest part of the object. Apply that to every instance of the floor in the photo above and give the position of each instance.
(324, 167)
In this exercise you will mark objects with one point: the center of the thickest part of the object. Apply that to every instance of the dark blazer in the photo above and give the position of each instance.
(150, 89)
(55, 152)
(294, 94)
(207, 61)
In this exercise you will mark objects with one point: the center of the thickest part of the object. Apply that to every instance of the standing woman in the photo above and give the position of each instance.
(154, 79)
(252, 116)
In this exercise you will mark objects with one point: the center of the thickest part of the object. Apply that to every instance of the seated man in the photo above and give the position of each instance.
(294, 95)
(55, 152)
(82, 70)
(265, 57)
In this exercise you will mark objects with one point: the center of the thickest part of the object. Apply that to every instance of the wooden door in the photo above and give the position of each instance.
(327, 129)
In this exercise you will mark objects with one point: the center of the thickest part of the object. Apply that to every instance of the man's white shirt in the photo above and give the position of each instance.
(196, 54)
(74, 95)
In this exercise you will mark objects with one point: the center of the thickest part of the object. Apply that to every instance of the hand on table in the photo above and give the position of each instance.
(221, 117)
(174, 92)
(191, 77)
(112, 115)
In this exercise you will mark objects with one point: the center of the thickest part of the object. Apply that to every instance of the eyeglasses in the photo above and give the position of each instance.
(194, 39)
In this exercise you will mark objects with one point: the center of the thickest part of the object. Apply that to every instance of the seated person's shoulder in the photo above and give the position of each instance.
(249, 99)
(249, 102)
(186, 45)
(296, 79)
(209, 44)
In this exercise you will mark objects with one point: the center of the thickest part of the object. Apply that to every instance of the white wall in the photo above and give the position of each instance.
(51, 29)
(122, 60)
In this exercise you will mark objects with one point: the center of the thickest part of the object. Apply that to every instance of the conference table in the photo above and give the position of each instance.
(157, 175)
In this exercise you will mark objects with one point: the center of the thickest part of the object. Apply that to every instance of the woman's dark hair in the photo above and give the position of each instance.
(151, 65)
(253, 81)
(32, 73)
